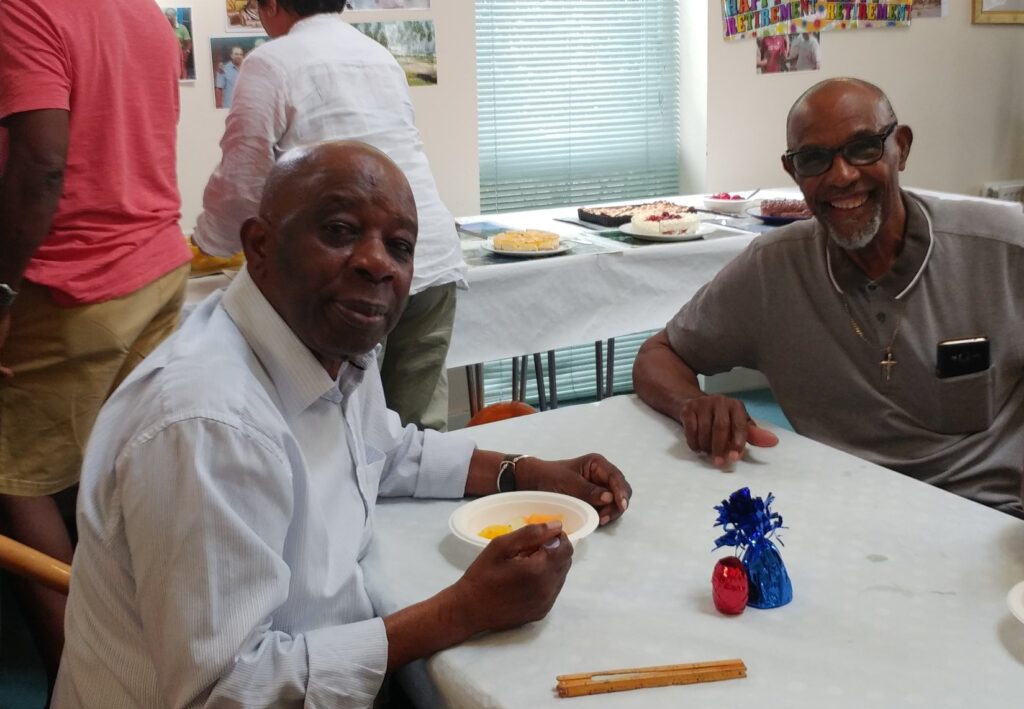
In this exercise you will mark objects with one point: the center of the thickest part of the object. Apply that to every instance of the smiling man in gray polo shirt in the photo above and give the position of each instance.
(845, 313)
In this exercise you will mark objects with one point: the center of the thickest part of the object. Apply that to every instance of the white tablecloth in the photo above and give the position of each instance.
(541, 304)
(899, 588)
(536, 305)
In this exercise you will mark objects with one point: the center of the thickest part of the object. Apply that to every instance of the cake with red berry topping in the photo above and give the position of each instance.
(666, 222)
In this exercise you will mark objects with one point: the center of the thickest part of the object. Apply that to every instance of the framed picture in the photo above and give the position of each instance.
(181, 21)
(411, 42)
(998, 12)
(242, 16)
(387, 5)
(227, 55)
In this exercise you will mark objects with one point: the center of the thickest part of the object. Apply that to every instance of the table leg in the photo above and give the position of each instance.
(515, 378)
(538, 372)
(471, 389)
(522, 379)
(551, 379)
(479, 370)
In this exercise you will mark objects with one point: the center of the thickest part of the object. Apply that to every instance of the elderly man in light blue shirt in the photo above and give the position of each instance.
(228, 490)
(227, 76)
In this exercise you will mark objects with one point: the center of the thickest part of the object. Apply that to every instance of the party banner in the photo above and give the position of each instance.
(761, 18)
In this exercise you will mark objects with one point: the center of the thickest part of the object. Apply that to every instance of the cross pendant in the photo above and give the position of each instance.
(888, 363)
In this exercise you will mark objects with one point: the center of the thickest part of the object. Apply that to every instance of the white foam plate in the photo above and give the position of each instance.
(1015, 599)
(578, 518)
(562, 248)
(697, 233)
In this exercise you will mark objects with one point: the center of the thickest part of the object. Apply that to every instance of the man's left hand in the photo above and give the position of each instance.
(590, 478)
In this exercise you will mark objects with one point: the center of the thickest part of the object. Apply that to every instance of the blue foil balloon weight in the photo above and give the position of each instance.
(749, 524)
(769, 582)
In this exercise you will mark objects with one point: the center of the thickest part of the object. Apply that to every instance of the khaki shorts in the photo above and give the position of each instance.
(66, 362)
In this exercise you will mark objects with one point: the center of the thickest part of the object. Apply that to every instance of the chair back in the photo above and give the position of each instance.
(34, 565)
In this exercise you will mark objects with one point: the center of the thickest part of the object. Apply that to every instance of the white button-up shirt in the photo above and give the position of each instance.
(226, 500)
(324, 80)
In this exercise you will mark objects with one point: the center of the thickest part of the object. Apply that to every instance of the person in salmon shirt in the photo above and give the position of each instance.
(93, 263)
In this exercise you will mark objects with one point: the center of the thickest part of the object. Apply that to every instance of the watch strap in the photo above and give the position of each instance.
(506, 481)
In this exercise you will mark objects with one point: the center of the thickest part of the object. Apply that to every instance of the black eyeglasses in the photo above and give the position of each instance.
(865, 150)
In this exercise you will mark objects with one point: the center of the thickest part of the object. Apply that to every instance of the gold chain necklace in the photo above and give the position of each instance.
(888, 362)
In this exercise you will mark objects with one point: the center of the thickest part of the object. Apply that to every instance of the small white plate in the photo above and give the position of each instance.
(697, 233)
(1015, 599)
(562, 248)
(578, 518)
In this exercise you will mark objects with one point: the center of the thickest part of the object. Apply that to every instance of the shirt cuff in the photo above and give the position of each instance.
(447, 459)
(346, 664)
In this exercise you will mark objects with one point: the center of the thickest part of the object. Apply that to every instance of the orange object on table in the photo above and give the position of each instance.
(501, 411)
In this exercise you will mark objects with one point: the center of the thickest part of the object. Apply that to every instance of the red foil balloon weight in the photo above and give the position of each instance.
(729, 586)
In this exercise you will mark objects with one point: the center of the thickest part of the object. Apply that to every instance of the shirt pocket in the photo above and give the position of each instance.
(963, 404)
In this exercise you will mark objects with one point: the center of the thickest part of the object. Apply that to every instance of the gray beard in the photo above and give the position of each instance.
(859, 239)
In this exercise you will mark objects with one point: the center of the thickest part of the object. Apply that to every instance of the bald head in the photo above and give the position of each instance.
(303, 172)
(845, 151)
(332, 249)
(820, 101)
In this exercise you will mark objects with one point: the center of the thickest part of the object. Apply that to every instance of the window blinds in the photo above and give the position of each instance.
(578, 101)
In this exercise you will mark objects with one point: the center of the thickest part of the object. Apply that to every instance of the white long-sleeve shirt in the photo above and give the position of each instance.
(324, 80)
(226, 500)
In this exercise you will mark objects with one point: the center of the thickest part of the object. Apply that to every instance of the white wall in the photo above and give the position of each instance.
(959, 86)
(445, 113)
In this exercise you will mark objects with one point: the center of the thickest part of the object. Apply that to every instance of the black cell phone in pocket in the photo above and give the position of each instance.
(955, 358)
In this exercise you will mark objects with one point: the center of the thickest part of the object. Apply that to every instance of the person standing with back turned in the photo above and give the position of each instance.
(321, 79)
(92, 260)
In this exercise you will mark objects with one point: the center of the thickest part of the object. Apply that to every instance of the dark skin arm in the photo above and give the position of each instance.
(516, 578)
(590, 478)
(30, 190)
(716, 425)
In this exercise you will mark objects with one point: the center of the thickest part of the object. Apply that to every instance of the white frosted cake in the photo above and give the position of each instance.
(666, 223)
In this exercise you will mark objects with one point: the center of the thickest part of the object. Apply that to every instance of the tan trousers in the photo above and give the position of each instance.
(412, 369)
(66, 362)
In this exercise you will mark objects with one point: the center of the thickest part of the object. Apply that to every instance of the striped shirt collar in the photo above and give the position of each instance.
(299, 377)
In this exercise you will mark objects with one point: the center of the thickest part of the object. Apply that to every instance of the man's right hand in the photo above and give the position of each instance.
(516, 578)
(720, 427)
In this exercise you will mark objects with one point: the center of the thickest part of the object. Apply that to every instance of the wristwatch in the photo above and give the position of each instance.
(507, 471)
(7, 296)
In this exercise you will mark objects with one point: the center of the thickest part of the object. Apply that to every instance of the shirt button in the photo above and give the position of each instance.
(872, 286)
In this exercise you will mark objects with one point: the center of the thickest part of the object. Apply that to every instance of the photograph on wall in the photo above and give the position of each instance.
(387, 5)
(242, 16)
(1002, 5)
(930, 8)
(412, 44)
(800, 51)
(742, 19)
(227, 55)
(181, 21)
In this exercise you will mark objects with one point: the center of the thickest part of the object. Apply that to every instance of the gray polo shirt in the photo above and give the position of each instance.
(778, 307)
